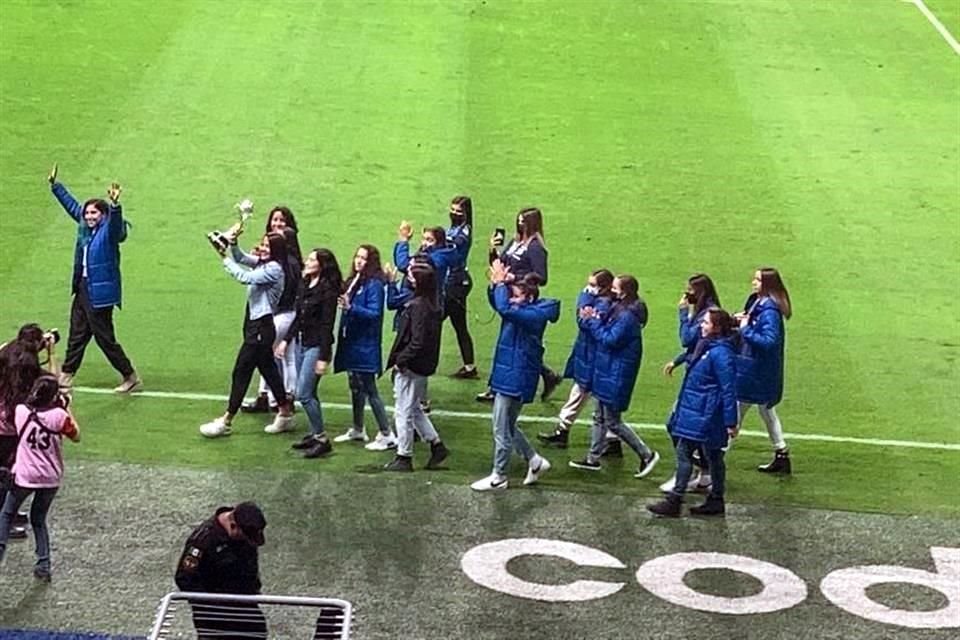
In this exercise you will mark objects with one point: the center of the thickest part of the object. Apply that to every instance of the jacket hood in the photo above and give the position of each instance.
(549, 307)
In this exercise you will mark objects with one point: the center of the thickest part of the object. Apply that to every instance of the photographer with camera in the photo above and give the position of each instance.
(96, 281)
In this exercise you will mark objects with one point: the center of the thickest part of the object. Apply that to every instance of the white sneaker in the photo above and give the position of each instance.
(537, 467)
(129, 384)
(382, 443)
(215, 429)
(280, 424)
(352, 435)
(66, 381)
(492, 482)
(667, 486)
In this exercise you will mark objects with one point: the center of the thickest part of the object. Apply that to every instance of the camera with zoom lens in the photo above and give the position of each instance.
(50, 338)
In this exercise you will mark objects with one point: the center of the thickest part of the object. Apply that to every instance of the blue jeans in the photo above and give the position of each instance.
(506, 435)
(363, 389)
(606, 418)
(718, 469)
(42, 499)
(306, 391)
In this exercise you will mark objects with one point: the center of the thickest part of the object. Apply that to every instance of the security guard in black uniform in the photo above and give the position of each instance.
(220, 556)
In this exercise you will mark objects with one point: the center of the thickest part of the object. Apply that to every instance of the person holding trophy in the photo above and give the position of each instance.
(264, 274)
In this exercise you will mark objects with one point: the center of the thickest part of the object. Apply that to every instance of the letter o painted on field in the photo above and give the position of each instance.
(486, 565)
(663, 577)
(847, 588)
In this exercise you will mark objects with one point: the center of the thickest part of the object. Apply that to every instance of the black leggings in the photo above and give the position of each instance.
(455, 308)
(256, 354)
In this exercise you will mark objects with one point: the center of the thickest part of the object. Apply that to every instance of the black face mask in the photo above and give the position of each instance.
(691, 297)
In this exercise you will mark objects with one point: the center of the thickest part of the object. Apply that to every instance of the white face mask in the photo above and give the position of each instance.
(592, 290)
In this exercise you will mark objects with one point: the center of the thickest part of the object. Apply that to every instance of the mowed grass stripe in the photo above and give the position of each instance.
(942, 446)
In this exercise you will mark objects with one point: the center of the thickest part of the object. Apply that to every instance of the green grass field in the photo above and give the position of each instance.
(660, 138)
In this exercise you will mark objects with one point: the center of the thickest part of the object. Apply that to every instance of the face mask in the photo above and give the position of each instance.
(691, 297)
(592, 290)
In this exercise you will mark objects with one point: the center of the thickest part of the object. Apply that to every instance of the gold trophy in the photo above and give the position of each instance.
(221, 240)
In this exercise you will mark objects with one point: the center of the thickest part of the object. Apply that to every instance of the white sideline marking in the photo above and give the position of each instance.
(942, 30)
(909, 444)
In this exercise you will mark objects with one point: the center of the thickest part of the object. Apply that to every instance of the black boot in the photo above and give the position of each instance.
(712, 506)
(399, 463)
(438, 453)
(486, 396)
(259, 405)
(319, 449)
(556, 439)
(779, 464)
(22, 519)
(669, 507)
(17, 533)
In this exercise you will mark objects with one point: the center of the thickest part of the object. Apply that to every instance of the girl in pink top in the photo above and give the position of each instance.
(41, 424)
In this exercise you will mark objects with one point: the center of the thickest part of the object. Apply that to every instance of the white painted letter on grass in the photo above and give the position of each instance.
(486, 565)
(663, 577)
(847, 588)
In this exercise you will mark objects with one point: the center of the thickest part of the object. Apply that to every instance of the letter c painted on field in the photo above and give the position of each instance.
(663, 577)
(486, 565)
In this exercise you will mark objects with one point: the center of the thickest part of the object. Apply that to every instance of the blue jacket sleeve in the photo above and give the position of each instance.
(585, 299)
(615, 335)
(443, 259)
(73, 208)
(523, 315)
(724, 367)
(116, 225)
(401, 255)
(369, 305)
(765, 333)
(689, 329)
(397, 296)
(269, 274)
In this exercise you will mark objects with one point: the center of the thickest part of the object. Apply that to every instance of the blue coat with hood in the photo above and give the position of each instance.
(518, 356)
(690, 332)
(102, 244)
(443, 259)
(707, 403)
(361, 327)
(760, 357)
(581, 361)
(619, 353)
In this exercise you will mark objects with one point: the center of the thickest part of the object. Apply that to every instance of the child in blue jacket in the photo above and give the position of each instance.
(597, 295)
(705, 414)
(517, 360)
(618, 356)
(96, 281)
(359, 343)
(760, 359)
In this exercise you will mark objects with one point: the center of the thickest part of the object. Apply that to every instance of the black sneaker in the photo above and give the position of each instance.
(21, 520)
(486, 396)
(647, 465)
(307, 442)
(669, 507)
(712, 506)
(550, 383)
(425, 406)
(438, 453)
(259, 405)
(586, 463)
(779, 464)
(42, 574)
(18, 533)
(399, 463)
(557, 439)
(614, 449)
(466, 374)
(319, 449)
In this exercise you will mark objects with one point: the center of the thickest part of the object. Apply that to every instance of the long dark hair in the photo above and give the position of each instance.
(330, 276)
(604, 278)
(278, 249)
(439, 236)
(722, 320)
(288, 217)
(44, 394)
(771, 284)
(704, 293)
(293, 245)
(31, 336)
(19, 369)
(530, 224)
(466, 205)
(425, 281)
(629, 287)
(372, 270)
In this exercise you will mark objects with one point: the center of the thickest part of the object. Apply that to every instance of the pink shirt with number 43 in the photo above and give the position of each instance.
(39, 462)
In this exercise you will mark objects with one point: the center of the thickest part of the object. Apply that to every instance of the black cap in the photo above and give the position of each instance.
(249, 518)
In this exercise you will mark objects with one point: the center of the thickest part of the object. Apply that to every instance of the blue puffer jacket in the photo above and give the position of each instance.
(690, 332)
(103, 250)
(361, 326)
(619, 352)
(518, 356)
(760, 360)
(442, 259)
(580, 363)
(398, 295)
(707, 403)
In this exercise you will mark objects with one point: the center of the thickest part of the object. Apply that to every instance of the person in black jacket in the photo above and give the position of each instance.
(220, 556)
(413, 358)
(312, 333)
